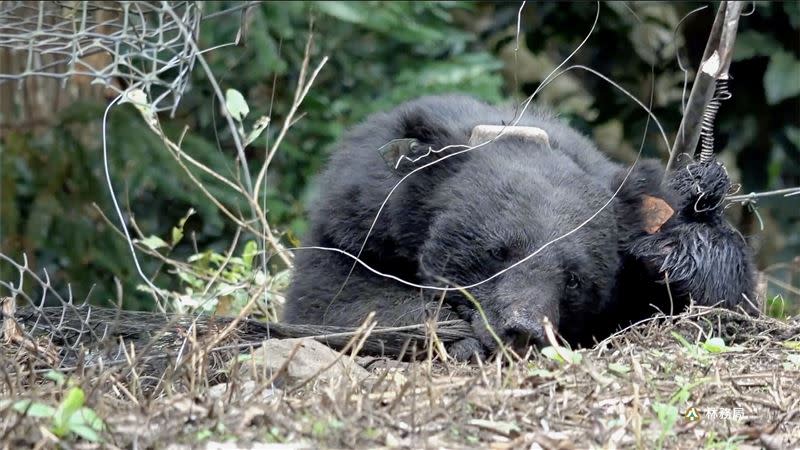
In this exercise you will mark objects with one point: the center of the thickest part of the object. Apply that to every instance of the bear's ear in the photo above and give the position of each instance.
(423, 138)
(398, 151)
(644, 204)
(655, 213)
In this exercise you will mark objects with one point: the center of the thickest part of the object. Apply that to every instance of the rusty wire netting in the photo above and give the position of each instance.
(149, 45)
(81, 44)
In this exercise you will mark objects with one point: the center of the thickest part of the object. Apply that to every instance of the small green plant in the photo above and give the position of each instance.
(714, 442)
(776, 307)
(535, 371)
(717, 345)
(693, 350)
(701, 351)
(562, 355)
(667, 416)
(219, 283)
(472, 439)
(217, 430)
(238, 109)
(57, 377)
(371, 433)
(321, 428)
(70, 417)
(794, 345)
(681, 397)
(203, 434)
(619, 369)
(273, 435)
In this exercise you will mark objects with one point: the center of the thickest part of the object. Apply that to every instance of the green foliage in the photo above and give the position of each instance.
(715, 442)
(667, 416)
(782, 79)
(236, 104)
(70, 417)
(701, 351)
(219, 283)
(619, 369)
(555, 354)
(750, 44)
(776, 307)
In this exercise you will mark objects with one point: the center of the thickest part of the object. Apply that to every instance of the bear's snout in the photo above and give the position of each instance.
(523, 333)
(522, 328)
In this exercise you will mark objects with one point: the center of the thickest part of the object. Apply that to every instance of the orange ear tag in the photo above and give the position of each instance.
(656, 212)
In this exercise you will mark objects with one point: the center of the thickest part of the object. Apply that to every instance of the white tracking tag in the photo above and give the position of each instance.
(483, 133)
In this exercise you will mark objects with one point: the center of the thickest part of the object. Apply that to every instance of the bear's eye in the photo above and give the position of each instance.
(572, 280)
(499, 253)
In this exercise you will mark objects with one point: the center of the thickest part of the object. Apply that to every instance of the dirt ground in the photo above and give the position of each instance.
(706, 379)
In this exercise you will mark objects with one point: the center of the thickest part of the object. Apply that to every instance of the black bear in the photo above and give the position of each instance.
(474, 218)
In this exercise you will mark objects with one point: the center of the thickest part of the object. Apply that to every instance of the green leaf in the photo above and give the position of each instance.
(793, 134)
(177, 235)
(555, 354)
(543, 373)
(250, 251)
(499, 427)
(177, 231)
(236, 104)
(183, 220)
(776, 305)
(752, 43)
(792, 9)
(681, 339)
(281, 280)
(190, 279)
(550, 352)
(87, 424)
(154, 242)
(34, 409)
(58, 377)
(346, 11)
(782, 79)
(715, 345)
(620, 369)
(198, 257)
(71, 403)
(204, 434)
(794, 345)
(319, 429)
(667, 414)
(394, 19)
(258, 128)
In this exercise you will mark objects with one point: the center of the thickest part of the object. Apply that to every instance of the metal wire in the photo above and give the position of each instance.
(116, 44)
(721, 93)
(119, 45)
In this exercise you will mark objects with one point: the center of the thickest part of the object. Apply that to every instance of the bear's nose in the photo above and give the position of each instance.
(521, 333)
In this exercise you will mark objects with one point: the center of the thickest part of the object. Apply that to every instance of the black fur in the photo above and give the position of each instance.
(697, 250)
(471, 215)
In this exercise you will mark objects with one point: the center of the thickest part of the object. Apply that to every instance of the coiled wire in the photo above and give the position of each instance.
(709, 116)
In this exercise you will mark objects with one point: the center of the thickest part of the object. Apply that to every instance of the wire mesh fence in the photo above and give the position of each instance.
(149, 45)
(47, 47)
(120, 46)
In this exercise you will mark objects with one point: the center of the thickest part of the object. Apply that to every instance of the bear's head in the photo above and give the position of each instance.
(530, 233)
(539, 224)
